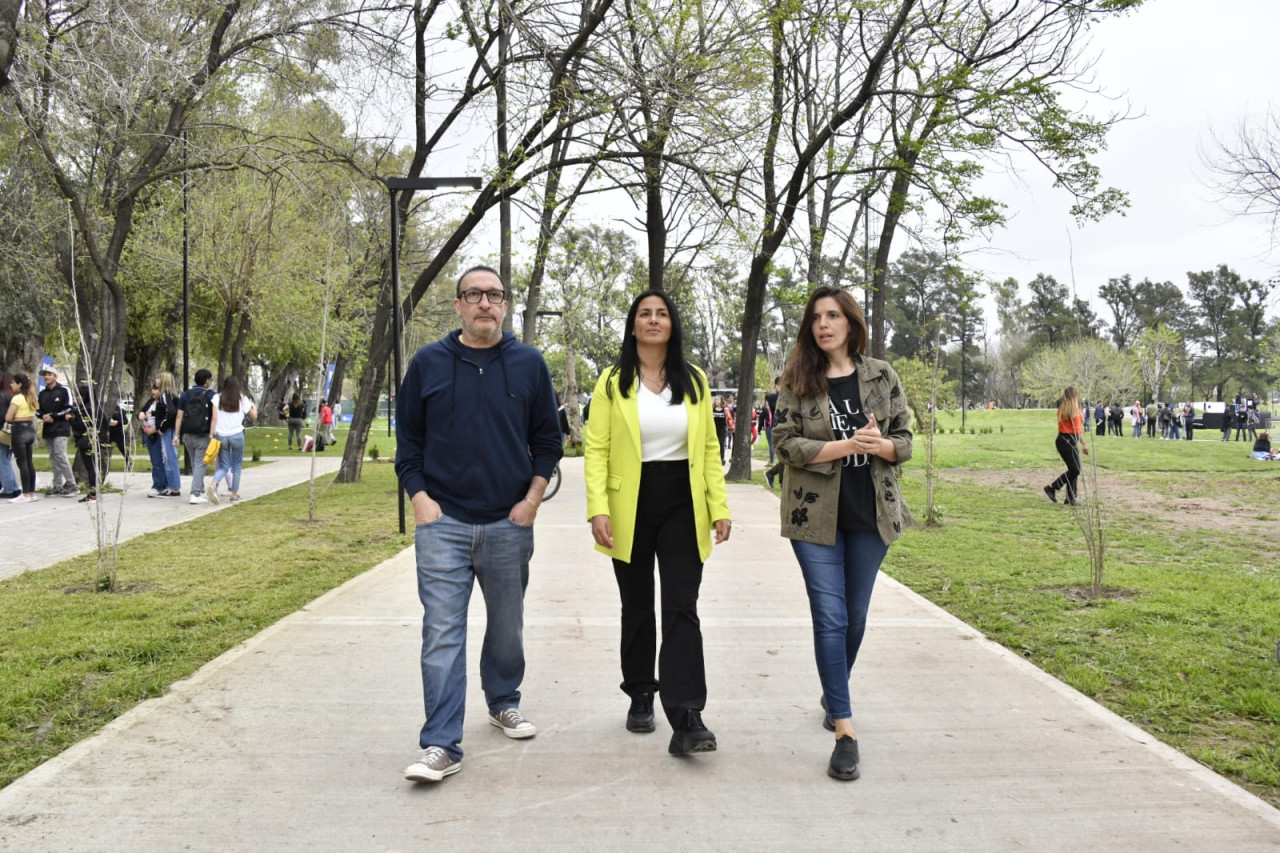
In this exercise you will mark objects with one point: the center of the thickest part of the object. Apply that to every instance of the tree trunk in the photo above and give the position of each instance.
(339, 377)
(655, 218)
(372, 380)
(21, 352)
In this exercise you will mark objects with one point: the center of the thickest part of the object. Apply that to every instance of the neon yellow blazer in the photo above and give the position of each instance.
(613, 465)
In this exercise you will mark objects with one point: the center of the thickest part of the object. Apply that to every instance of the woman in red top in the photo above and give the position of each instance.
(1069, 444)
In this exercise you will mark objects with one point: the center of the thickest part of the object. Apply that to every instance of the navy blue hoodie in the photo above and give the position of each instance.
(473, 426)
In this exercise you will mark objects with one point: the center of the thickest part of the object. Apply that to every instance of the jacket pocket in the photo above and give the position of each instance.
(615, 483)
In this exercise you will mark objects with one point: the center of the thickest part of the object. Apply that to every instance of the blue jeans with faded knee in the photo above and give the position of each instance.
(451, 555)
(839, 579)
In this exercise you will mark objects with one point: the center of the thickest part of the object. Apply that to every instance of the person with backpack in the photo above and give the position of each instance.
(195, 412)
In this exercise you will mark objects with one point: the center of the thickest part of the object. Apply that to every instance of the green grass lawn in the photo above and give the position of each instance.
(1184, 643)
(71, 660)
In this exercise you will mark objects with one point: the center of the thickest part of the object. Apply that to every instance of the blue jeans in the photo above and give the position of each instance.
(8, 479)
(230, 460)
(172, 468)
(839, 579)
(159, 480)
(451, 556)
(768, 436)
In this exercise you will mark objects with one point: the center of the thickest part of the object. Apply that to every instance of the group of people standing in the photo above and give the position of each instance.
(63, 417)
(1169, 420)
(656, 494)
(72, 417)
(294, 414)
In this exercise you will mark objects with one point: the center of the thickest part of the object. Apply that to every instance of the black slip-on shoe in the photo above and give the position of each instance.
(640, 716)
(844, 759)
(827, 722)
(691, 735)
(1053, 495)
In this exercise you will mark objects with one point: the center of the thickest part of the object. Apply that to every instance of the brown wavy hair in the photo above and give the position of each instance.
(806, 370)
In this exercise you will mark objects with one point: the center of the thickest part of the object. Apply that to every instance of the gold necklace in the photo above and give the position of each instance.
(655, 385)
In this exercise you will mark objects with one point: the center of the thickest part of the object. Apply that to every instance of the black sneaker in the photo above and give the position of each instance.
(7, 496)
(844, 759)
(691, 735)
(640, 716)
(1053, 495)
(768, 477)
(89, 498)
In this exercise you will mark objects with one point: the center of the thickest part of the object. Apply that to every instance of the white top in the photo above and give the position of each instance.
(228, 422)
(664, 428)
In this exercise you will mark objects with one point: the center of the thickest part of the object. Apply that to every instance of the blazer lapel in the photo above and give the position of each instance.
(629, 406)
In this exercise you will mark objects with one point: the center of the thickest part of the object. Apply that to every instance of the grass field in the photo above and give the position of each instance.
(71, 660)
(1183, 643)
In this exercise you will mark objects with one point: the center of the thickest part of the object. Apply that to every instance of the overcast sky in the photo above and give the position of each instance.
(1187, 69)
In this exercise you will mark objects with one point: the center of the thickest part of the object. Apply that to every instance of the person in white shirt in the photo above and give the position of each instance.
(230, 407)
(655, 489)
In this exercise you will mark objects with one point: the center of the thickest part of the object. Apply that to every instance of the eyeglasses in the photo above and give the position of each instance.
(494, 297)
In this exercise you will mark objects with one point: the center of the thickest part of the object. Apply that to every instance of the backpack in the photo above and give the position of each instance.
(195, 415)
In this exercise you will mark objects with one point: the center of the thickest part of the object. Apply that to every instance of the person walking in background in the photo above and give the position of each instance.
(195, 416)
(21, 419)
(1150, 417)
(152, 414)
(720, 416)
(1242, 421)
(1188, 416)
(10, 486)
(172, 468)
(771, 406)
(477, 441)
(1100, 418)
(84, 426)
(1136, 416)
(1069, 444)
(55, 414)
(295, 417)
(230, 407)
(655, 489)
(843, 428)
(326, 422)
(1175, 422)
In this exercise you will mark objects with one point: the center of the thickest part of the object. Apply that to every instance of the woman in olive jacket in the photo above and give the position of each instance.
(843, 427)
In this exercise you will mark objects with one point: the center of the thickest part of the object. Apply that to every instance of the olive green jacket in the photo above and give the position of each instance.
(811, 492)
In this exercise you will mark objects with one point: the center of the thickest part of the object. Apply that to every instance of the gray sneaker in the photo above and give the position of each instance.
(433, 765)
(513, 723)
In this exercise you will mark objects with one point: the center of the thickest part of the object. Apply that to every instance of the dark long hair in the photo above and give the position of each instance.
(681, 378)
(806, 370)
(229, 401)
(25, 389)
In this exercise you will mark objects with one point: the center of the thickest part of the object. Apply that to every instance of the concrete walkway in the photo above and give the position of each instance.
(297, 739)
(69, 528)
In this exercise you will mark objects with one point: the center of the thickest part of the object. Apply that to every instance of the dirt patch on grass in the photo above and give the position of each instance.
(1085, 595)
(1199, 504)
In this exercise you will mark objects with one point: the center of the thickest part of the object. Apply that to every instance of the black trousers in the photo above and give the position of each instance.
(664, 529)
(1070, 454)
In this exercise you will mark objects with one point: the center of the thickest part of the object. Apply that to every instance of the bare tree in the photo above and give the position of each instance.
(1246, 169)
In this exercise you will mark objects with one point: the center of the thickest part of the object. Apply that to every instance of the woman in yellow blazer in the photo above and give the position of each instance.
(655, 487)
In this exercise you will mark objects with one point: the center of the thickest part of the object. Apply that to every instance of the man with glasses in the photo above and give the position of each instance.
(477, 439)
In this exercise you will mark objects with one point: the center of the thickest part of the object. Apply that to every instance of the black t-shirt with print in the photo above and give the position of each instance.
(857, 492)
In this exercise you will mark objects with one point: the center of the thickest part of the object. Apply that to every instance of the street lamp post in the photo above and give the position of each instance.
(394, 187)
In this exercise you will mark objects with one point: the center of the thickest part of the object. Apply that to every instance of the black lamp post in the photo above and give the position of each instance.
(394, 186)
